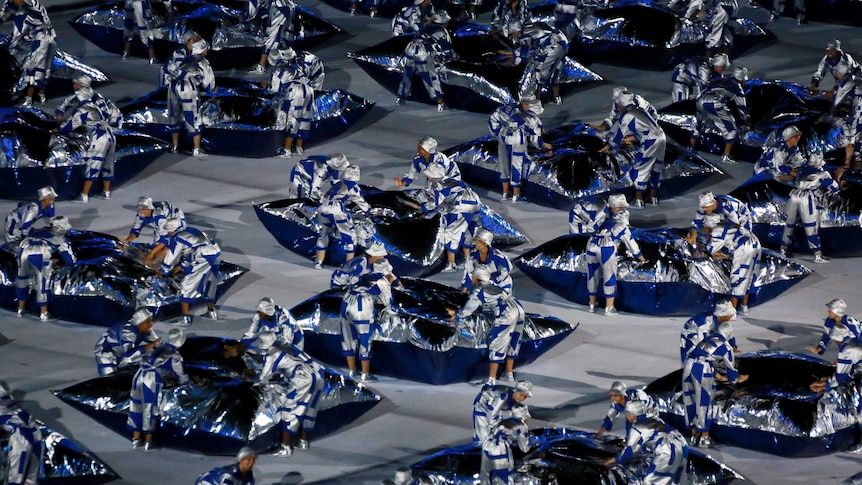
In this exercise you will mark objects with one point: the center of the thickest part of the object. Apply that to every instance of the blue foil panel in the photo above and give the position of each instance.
(567, 456)
(221, 412)
(31, 157)
(415, 340)
(240, 120)
(232, 45)
(575, 169)
(773, 106)
(65, 461)
(478, 81)
(675, 279)
(108, 283)
(840, 215)
(774, 411)
(414, 242)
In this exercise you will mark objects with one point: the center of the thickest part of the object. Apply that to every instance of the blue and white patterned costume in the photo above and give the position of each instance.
(638, 101)
(544, 47)
(689, 78)
(586, 215)
(665, 448)
(847, 109)
(425, 56)
(352, 271)
(163, 361)
(602, 255)
(498, 265)
(780, 158)
(459, 207)
(506, 22)
(33, 41)
(293, 83)
(827, 64)
(714, 112)
(731, 210)
(492, 405)
(852, 328)
(358, 315)
(185, 75)
(22, 219)
(301, 396)
(280, 29)
(720, 33)
(410, 19)
(695, 330)
(504, 342)
(161, 212)
(24, 438)
(847, 366)
(745, 252)
(631, 395)
(199, 257)
(101, 153)
(650, 142)
(121, 345)
(692, 7)
(226, 475)
(334, 218)
(34, 264)
(803, 204)
(497, 462)
(309, 175)
(137, 20)
(516, 130)
(280, 324)
(698, 380)
(419, 164)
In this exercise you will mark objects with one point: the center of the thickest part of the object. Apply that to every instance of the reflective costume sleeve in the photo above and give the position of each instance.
(848, 358)
(474, 302)
(622, 233)
(613, 412)
(350, 272)
(501, 118)
(828, 325)
(176, 367)
(355, 196)
(416, 168)
(635, 440)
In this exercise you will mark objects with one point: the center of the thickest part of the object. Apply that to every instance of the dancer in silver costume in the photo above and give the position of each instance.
(125, 343)
(33, 44)
(194, 255)
(295, 77)
(20, 221)
(35, 264)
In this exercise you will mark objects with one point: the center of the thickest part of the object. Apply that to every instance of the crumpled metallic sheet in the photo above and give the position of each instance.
(774, 411)
(647, 34)
(414, 243)
(773, 106)
(562, 455)
(854, 480)
(416, 340)
(575, 168)
(232, 44)
(218, 412)
(478, 81)
(32, 157)
(240, 118)
(675, 279)
(840, 215)
(66, 460)
(107, 284)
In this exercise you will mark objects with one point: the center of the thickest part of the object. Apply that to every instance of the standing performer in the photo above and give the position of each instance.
(425, 56)
(412, 17)
(35, 264)
(700, 326)
(847, 109)
(834, 56)
(803, 205)
(192, 253)
(688, 78)
(783, 157)
(509, 19)
(358, 319)
(715, 108)
(294, 80)
(495, 403)
(185, 73)
(334, 218)
(743, 249)
(309, 175)
(483, 254)
(125, 343)
(836, 316)
(20, 221)
(497, 462)
(24, 438)
(137, 21)
(280, 31)
(33, 44)
(543, 47)
(275, 319)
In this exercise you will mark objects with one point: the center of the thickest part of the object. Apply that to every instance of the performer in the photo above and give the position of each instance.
(459, 207)
(517, 128)
(720, 34)
(375, 5)
(743, 249)
(154, 214)
(620, 395)
(836, 317)
(99, 117)
(24, 438)
(587, 214)
(732, 210)
(637, 129)
(280, 31)
(783, 157)
(239, 473)
(295, 77)
(427, 154)
(33, 44)
(544, 48)
(616, 111)
(185, 73)
(192, 253)
(20, 221)
(309, 175)
(334, 218)
(303, 381)
(811, 181)
(689, 77)
(275, 319)
(847, 109)
(714, 108)
(602, 253)
(847, 364)
(698, 382)
(138, 21)
(497, 462)
(412, 18)
(509, 19)
(430, 49)
(162, 362)
(125, 343)
(834, 56)
(507, 327)
(665, 448)
(352, 271)
(35, 264)
(483, 254)
(358, 319)
(495, 403)
(701, 325)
